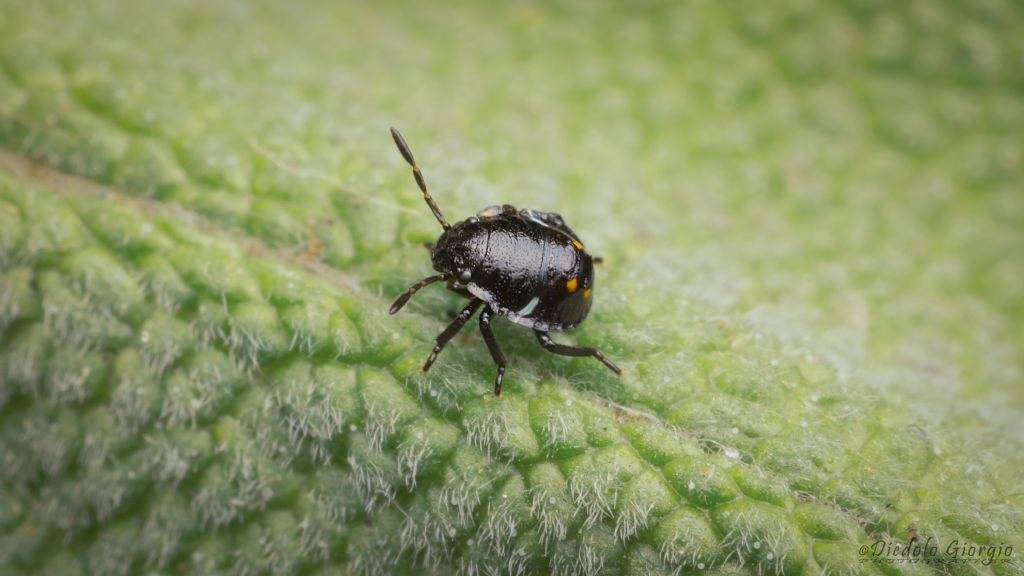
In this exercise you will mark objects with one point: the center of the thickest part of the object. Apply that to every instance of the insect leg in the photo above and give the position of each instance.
(407, 154)
(451, 331)
(567, 350)
(404, 298)
(492, 345)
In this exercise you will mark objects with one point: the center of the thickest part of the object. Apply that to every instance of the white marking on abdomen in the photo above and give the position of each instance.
(525, 310)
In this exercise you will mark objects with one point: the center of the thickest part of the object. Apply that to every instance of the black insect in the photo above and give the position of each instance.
(527, 266)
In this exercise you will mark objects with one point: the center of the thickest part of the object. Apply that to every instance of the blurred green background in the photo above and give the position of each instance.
(841, 179)
(848, 173)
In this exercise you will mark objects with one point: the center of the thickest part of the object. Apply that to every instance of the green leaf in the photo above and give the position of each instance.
(810, 218)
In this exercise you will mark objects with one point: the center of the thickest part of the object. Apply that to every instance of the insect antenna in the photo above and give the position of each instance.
(407, 154)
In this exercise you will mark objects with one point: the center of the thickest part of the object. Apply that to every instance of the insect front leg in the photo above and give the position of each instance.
(401, 301)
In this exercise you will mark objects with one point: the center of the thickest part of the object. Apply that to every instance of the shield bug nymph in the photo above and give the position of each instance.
(524, 265)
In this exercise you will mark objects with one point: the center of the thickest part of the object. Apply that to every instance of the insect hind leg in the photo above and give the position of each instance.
(576, 351)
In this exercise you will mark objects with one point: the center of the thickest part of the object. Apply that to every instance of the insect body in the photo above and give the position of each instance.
(524, 265)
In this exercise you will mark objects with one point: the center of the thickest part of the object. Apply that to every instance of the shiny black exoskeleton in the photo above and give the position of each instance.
(527, 266)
